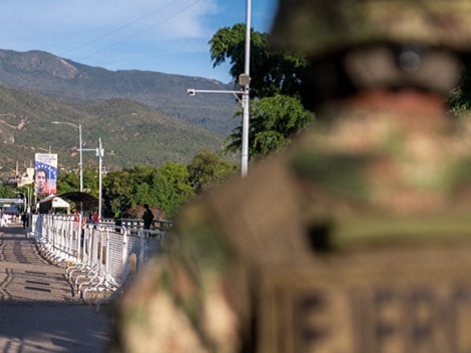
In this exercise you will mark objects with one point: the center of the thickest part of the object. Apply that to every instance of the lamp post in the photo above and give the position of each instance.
(79, 127)
(244, 80)
(99, 152)
(30, 194)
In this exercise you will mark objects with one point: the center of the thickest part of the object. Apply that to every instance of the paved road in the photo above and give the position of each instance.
(38, 312)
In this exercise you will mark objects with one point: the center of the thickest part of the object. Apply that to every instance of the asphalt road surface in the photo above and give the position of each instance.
(38, 312)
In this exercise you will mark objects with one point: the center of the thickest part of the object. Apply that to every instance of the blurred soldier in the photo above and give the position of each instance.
(351, 240)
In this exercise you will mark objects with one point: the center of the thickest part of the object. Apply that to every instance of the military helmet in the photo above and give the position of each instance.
(319, 27)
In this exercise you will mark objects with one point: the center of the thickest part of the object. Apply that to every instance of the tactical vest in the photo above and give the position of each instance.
(355, 240)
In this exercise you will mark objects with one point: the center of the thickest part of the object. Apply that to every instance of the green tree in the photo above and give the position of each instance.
(206, 169)
(276, 80)
(275, 120)
(117, 189)
(172, 187)
(67, 182)
(271, 73)
(167, 187)
(123, 189)
(91, 180)
(7, 192)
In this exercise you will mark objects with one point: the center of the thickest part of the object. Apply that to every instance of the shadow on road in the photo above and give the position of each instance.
(34, 328)
(38, 312)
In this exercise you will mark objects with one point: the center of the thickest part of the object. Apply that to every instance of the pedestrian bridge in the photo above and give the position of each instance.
(99, 257)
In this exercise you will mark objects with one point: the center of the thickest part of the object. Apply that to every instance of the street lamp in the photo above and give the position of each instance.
(99, 152)
(30, 194)
(79, 127)
(244, 80)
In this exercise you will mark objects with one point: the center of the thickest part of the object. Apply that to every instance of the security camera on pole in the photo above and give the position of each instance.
(244, 80)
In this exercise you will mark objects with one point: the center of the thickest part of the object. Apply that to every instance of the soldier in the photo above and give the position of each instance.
(353, 240)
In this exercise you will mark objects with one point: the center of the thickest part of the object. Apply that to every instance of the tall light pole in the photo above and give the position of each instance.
(30, 194)
(79, 127)
(244, 80)
(99, 152)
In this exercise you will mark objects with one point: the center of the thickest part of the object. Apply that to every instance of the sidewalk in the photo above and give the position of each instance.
(38, 312)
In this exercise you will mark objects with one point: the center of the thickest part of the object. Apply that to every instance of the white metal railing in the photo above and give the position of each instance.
(98, 257)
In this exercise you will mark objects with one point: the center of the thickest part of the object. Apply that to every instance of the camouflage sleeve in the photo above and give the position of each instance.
(179, 302)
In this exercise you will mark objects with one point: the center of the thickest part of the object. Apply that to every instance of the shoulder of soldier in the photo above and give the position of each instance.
(267, 191)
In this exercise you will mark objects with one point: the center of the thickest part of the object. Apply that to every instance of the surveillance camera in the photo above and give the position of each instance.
(191, 92)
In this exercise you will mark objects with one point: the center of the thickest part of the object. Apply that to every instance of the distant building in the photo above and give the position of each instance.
(25, 178)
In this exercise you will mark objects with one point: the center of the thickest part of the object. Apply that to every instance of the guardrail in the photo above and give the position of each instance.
(135, 225)
(99, 257)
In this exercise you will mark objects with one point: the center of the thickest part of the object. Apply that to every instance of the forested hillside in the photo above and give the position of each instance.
(60, 78)
(132, 133)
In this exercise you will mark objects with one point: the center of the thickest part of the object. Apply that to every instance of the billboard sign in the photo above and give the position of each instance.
(45, 173)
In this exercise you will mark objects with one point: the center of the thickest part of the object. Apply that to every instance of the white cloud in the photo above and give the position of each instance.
(106, 20)
(119, 33)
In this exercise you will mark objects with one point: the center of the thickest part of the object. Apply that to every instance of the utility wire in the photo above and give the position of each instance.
(117, 29)
(127, 25)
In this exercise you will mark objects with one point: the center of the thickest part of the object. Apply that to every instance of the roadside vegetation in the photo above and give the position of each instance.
(165, 188)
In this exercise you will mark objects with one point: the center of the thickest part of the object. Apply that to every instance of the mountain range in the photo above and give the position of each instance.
(142, 117)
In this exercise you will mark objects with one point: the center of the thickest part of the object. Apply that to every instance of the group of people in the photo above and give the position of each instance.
(6, 219)
(92, 217)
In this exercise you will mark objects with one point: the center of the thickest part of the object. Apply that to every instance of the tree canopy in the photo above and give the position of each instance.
(271, 73)
(276, 113)
(166, 188)
(7, 192)
(274, 121)
(207, 169)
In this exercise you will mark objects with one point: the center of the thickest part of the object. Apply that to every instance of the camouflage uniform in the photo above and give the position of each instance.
(350, 236)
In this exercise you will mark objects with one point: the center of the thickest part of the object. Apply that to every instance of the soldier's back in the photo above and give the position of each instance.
(361, 225)
(354, 239)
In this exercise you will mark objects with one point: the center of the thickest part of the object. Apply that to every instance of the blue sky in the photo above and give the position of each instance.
(169, 36)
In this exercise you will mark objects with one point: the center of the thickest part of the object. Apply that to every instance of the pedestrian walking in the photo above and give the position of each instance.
(24, 219)
(148, 216)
